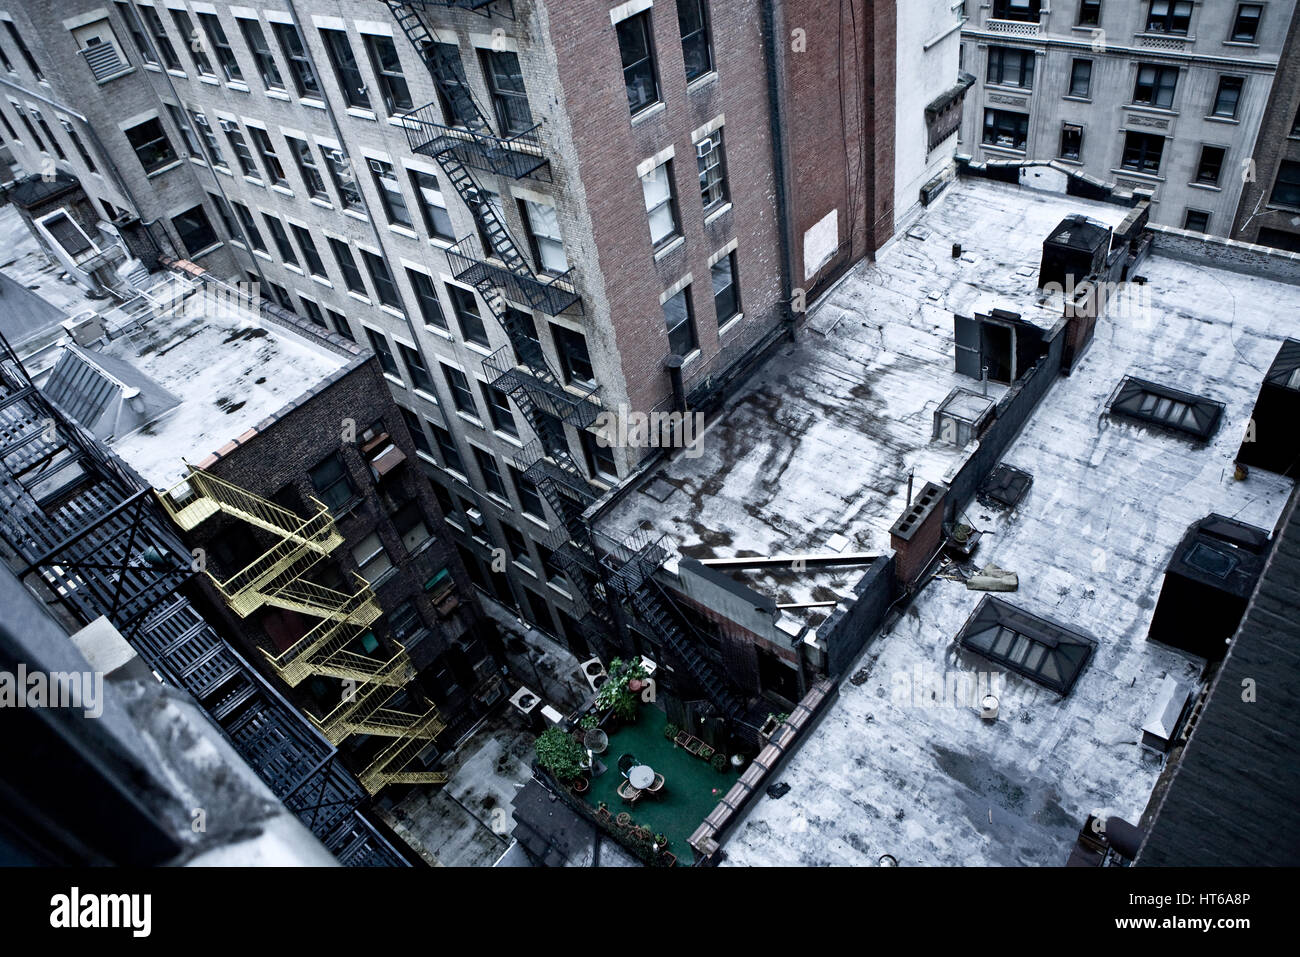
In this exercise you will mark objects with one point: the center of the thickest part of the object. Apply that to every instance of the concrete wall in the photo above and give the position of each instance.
(1262, 261)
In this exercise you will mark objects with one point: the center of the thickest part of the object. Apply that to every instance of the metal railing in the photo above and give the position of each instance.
(551, 294)
(517, 155)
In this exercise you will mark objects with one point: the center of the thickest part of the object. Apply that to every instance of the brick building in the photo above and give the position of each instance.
(526, 209)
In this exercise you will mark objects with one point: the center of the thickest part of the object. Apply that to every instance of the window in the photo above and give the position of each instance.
(1197, 220)
(371, 558)
(465, 306)
(726, 293)
(432, 206)
(341, 172)
(313, 311)
(187, 134)
(332, 483)
(492, 201)
(291, 45)
(505, 82)
(134, 27)
(347, 266)
(454, 95)
(530, 499)
(262, 140)
(240, 148)
(392, 82)
(657, 188)
(385, 288)
(713, 171)
(600, 458)
(383, 351)
(1168, 408)
(1142, 152)
(1169, 16)
(1155, 85)
(68, 235)
(49, 135)
(552, 569)
(445, 503)
(450, 454)
(1071, 142)
(544, 237)
(227, 215)
(190, 36)
(693, 20)
(523, 336)
(405, 625)
(1024, 10)
(1228, 96)
(346, 70)
(1089, 13)
(426, 297)
(1210, 166)
(194, 229)
(418, 437)
(262, 56)
(150, 144)
(1279, 239)
(210, 140)
(340, 324)
(1245, 28)
(161, 42)
(281, 238)
(411, 525)
(305, 160)
(31, 130)
(517, 546)
(1038, 649)
(575, 361)
(1081, 78)
(310, 254)
(1006, 129)
(461, 396)
(9, 127)
(420, 377)
(76, 142)
(281, 296)
(636, 48)
(1295, 124)
(680, 318)
(487, 464)
(498, 404)
(1286, 188)
(390, 193)
(220, 45)
(1011, 66)
(250, 229)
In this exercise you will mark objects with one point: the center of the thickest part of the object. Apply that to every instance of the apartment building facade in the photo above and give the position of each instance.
(1159, 95)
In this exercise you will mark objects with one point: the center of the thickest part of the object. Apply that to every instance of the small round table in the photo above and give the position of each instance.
(641, 777)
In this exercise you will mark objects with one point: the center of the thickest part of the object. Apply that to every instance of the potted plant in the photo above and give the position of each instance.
(560, 754)
(960, 533)
(719, 762)
(590, 722)
(580, 784)
(602, 812)
(623, 819)
(669, 858)
(670, 731)
(706, 752)
(661, 843)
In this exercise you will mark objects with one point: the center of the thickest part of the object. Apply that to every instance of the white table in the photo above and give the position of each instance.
(641, 777)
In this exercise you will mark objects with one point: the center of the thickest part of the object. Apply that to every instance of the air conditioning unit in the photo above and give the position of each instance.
(200, 119)
(475, 516)
(704, 148)
(377, 166)
(333, 155)
(593, 669)
(67, 125)
(226, 125)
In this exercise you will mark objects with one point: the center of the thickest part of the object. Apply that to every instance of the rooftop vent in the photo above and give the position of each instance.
(1167, 408)
(1209, 580)
(1005, 487)
(962, 417)
(1173, 701)
(1036, 648)
(1272, 441)
(1075, 249)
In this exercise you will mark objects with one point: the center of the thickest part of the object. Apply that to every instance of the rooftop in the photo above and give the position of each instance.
(904, 764)
(199, 369)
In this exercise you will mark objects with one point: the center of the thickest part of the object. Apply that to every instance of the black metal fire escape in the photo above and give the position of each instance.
(468, 141)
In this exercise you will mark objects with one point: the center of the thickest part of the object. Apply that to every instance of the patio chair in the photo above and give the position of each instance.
(657, 788)
(628, 793)
(626, 763)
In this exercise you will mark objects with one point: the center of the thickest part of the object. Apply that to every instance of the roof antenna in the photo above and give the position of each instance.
(910, 473)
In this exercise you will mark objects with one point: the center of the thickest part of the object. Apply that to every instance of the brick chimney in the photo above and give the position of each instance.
(916, 536)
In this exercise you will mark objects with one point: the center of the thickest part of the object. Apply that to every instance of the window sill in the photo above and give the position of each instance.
(440, 243)
(508, 438)
(718, 213)
(164, 169)
(426, 395)
(1248, 44)
(360, 298)
(559, 590)
(224, 170)
(1226, 120)
(470, 419)
(730, 325)
(395, 313)
(294, 269)
(205, 250)
(1208, 187)
(260, 254)
(209, 80)
(151, 67)
(669, 247)
(403, 231)
(322, 281)
(116, 76)
(701, 81)
(179, 74)
(539, 522)
(652, 110)
(484, 351)
(1277, 207)
(356, 215)
(361, 114)
(692, 356)
(278, 95)
(1004, 88)
(394, 380)
(499, 501)
(440, 333)
(1141, 174)
(1003, 150)
(282, 190)
(322, 203)
(1076, 98)
(1075, 161)
(238, 87)
(254, 181)
(1155, 110)
(524, 568)
(312, 102)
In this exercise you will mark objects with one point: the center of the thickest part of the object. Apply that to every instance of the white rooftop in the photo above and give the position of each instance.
(893, 770)
(230, 367)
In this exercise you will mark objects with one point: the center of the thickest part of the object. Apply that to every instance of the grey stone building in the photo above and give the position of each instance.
(1160, 95)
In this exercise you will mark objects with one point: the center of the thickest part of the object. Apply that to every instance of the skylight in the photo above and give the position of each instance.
(1034, 647)
(1168, 408)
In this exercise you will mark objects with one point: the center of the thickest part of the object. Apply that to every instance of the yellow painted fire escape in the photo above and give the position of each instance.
(276, 578)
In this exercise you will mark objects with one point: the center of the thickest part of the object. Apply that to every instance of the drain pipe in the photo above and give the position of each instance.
(775, 58)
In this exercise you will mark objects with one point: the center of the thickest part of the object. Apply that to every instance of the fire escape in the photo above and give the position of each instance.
(73, 517)
(465, 140)
(377, 688)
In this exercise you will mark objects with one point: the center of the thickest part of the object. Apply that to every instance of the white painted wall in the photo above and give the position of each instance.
(928, 47)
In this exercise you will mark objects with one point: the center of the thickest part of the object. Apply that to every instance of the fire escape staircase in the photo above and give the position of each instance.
(277, 579)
